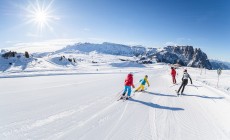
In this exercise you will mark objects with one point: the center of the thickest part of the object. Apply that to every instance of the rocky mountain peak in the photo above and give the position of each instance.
(184, 55)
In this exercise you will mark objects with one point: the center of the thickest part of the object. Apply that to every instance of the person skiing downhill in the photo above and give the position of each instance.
(184, 82)
(173, 73)
(143, 82)
(128, 84)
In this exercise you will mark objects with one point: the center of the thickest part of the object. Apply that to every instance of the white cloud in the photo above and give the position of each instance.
(49, 45)
(43, 46)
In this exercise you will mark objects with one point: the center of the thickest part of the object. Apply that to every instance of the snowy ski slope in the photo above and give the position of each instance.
(85, 107)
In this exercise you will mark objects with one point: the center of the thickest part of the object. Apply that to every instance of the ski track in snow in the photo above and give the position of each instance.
(50, 87)
(48, 120)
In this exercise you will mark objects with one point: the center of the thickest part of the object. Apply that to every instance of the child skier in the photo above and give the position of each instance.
(143, 82)
(128, 84)
(173, 73)
(184, 81)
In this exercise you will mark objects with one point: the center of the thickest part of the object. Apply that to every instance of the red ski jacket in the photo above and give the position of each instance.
(129, 80)
(173, 72)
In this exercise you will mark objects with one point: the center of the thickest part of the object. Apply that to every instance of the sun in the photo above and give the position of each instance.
(41, 17)
(40, 13)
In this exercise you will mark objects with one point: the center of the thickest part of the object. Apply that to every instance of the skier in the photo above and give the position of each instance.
(143, 82)
(184, 82)
(128, 84)
(173, 73)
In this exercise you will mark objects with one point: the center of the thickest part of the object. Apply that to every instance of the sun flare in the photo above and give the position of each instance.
(41, 17)
(41, 14)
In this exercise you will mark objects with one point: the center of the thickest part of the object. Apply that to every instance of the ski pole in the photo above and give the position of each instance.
(194, 86)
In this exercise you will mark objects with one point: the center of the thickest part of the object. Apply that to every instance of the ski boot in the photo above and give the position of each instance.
(122, 96)
(177, 93)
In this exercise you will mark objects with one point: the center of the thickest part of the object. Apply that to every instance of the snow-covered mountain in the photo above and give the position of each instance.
(73, 56)
(12, 61)
(183, 55)
(15, 62)
(105, 48)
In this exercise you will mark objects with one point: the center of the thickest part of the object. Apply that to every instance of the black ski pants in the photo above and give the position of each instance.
(184, 83)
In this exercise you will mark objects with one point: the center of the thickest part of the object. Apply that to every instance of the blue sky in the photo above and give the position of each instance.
(153, 23)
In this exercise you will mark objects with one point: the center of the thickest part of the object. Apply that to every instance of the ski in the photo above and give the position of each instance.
(123, 98)
(178, 95)
(120, 98)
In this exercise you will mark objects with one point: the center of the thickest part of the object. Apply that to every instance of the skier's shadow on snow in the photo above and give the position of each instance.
(203, 96)
(150, 104)
(160, 94)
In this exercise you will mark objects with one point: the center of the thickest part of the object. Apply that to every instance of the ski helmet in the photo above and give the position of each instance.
(146, 76)
(131, 73)
(185, 70)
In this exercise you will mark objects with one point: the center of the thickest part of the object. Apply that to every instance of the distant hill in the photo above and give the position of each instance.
(106, 48)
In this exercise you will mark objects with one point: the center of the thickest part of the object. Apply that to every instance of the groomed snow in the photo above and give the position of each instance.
(82, 105)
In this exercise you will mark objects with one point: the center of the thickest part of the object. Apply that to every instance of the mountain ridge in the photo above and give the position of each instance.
(183, 55)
